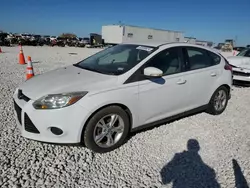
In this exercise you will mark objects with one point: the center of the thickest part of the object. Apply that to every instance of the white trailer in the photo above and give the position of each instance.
(116, 34)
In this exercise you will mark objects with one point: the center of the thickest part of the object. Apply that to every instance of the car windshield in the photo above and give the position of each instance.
(116, 60)
(243, 52)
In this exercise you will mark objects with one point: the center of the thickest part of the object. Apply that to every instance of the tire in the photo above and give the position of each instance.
(90, 136)
(212, 103)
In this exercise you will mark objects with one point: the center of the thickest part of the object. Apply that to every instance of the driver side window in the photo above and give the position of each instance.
(167, 60)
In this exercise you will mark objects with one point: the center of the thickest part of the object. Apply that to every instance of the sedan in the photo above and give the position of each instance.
(101, 99)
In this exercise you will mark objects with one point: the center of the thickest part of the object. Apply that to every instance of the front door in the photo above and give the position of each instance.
(163, 97)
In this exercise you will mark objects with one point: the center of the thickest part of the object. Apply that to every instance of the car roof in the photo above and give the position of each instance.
(170, 44)
(153, 44)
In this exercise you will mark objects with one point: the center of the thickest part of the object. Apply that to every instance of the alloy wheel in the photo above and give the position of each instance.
(220, 100)
(108, 131)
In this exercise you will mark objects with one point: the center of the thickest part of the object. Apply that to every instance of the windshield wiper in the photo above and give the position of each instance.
(94, 70)
(77, 65)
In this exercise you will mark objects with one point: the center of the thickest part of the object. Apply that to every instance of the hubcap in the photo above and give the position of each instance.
(108, 130)
(220, 100)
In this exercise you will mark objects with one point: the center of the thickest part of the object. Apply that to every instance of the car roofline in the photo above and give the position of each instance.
(159, 44)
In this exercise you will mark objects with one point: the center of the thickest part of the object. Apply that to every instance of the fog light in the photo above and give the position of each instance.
(56, 130)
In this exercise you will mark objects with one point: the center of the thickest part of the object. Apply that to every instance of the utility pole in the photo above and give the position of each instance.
(235, 40)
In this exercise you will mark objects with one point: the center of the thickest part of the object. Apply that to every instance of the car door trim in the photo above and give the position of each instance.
(169, 119)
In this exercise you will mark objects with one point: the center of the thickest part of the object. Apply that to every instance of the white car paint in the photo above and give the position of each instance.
(147, 100)
(53, 38)
(241, 67)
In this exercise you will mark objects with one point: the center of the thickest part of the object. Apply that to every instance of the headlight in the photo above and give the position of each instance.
(55, 101)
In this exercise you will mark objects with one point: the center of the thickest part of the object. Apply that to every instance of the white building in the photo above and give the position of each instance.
(116, 34)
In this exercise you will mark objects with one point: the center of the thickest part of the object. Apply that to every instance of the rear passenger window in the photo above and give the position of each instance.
(198, 58)
(214, 58)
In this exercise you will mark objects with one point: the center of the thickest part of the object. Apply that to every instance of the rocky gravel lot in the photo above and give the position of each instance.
(149, 159)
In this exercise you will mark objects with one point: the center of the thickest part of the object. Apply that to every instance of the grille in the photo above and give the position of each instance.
(18, 112)
(29, 126)
(238, 73)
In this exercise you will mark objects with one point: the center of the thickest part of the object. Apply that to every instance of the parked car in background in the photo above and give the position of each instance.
(219, 46)
(86, 40)
(4, 41)
(53, 37)
(72, 41)
(239, 49)
(12, 38)
(58, 42)
(46, 39)
(127, 87)
(80, 42)
(241, 65)
(36, 40)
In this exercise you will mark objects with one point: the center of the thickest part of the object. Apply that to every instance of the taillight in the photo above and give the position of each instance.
(228, 67)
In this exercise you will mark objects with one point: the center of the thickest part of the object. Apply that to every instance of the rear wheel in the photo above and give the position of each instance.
(219, 100)
(107, 129)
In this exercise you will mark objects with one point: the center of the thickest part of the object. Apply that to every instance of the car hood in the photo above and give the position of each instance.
(239, 61)
(67, 79)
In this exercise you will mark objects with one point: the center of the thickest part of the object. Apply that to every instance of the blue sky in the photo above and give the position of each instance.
(213, 20)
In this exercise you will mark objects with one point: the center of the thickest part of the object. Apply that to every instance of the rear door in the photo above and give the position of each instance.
(202, 72)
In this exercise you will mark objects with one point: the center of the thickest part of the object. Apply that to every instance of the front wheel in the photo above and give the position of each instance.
(106, 130)
(219, 100)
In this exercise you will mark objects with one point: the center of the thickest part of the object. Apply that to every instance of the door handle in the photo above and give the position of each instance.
(213, 74)
(181, 82)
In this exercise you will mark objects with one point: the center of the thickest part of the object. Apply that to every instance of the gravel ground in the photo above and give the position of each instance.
(149, 159)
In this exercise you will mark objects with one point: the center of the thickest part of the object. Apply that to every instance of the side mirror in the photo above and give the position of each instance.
(152, 72)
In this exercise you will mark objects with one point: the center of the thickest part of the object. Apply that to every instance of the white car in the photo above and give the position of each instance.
(241, 65)
(53, 38)
(127, 87)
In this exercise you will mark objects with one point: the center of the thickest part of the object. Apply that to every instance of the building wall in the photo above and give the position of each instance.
(116, 34)
(139, 34)
(112, 34)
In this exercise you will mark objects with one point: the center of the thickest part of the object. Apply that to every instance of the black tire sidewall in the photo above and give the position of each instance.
(212, 109)
(88, 138)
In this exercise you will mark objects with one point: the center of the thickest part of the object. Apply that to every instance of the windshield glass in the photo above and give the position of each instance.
(244, 52)
(116, 60)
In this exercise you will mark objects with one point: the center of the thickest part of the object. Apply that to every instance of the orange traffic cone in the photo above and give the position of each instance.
(21, 56)
(29, 59)
(1, 50)
(29, 70)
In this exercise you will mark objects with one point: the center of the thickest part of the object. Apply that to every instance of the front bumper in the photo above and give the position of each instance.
(241, 78)
(241, 75)
(35, 124)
